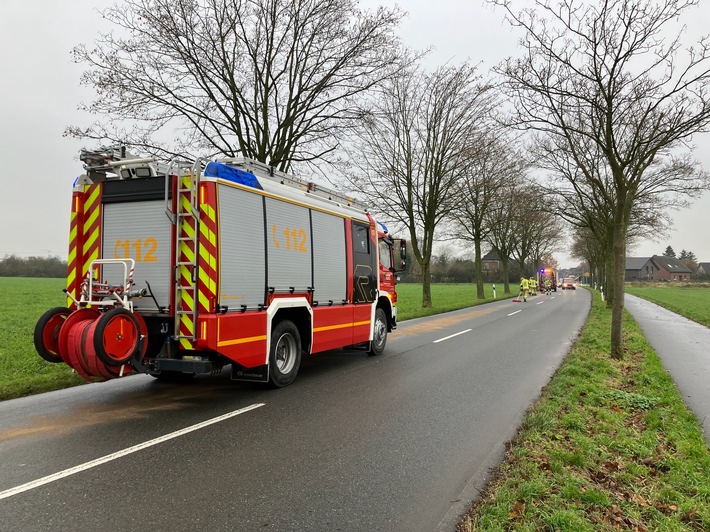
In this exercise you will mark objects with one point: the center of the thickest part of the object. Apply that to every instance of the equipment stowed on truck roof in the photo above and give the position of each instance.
(179, 269)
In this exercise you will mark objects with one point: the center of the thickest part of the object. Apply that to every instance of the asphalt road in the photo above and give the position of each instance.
(402, 441)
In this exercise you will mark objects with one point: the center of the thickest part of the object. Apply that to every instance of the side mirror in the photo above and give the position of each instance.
(402, 256)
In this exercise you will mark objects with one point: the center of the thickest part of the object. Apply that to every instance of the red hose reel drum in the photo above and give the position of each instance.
(94, 344)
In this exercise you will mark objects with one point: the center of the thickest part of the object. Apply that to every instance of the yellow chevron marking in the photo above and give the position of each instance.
(207, 281)
(204, 301)
(209, 235)
(72, 254)
(89, 242)
(189, 253)
(209, 212)
(188, 302)
(208, 258)
(187, 229)
(93, 215)
(186, 321)
(93, 196)
(185, 276)
(87, 263)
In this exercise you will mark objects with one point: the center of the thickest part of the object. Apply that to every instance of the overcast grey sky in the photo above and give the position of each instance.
(40, 93)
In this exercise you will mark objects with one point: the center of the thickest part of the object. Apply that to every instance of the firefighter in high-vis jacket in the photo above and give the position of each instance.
(524, 287)
(532, 284)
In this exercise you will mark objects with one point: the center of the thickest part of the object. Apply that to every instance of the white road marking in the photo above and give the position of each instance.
(539, 303)
(119, 454)
(513, 313)
(446, 338)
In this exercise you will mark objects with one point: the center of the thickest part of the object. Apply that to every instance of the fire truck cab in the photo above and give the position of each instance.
(177, 269)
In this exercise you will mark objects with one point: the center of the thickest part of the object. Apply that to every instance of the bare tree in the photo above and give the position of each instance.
(536, 229)
(586, 205)
(274, 80)
(411, 150)
(602, 73)
(546, 229)
(490, 164)
(501, 218)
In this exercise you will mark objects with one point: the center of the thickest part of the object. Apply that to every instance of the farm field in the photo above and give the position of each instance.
(691, 301)
(22, 372)
(445, 297)
(23, 300)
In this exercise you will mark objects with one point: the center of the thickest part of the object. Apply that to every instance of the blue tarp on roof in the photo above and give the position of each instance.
(224, 171)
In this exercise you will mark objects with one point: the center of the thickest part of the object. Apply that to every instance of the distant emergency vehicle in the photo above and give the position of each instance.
(547, 273)
(180, 269)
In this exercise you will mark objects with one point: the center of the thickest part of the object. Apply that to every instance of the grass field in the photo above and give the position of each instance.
(445, 297)
(610, 445)
(691, 301)
(22, 371)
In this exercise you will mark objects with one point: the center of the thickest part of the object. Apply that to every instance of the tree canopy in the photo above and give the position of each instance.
(609, 82)
(273, 80)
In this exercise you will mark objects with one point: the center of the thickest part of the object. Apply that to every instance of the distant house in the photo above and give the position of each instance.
(704, 268)
(638, 268)
(491, 262)
(656, 268)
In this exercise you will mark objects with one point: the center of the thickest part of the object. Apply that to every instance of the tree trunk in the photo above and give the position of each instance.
(608, 278)
(426, 285)
(506, 276)
(480, 294)
(617, 307)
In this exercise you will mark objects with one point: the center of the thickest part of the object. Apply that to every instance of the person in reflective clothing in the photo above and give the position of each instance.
(524, 287)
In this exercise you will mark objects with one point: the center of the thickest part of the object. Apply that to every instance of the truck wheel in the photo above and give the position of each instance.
(46, 336)
(379, 338)
(116, 337)
(285, 354)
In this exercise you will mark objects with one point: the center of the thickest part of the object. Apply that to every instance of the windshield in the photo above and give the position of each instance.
(385, 254)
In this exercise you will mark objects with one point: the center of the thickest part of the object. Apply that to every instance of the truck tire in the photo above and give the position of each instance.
(379, 338)
(284, 354)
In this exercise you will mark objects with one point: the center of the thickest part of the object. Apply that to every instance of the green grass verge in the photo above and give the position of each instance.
(691, 301)
(444, 298)
(609, 445)
(22, 371)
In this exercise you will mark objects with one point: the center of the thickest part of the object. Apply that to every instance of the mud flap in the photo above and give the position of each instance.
(255, 374)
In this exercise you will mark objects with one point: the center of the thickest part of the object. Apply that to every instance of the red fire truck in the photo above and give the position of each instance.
(182, 268)
(545, 273)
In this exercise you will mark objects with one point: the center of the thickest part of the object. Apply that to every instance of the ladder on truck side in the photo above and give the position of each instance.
(266, 171)
(187, 228)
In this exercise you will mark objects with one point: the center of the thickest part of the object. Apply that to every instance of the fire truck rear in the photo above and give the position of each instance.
(543, 275)
(179, 269)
